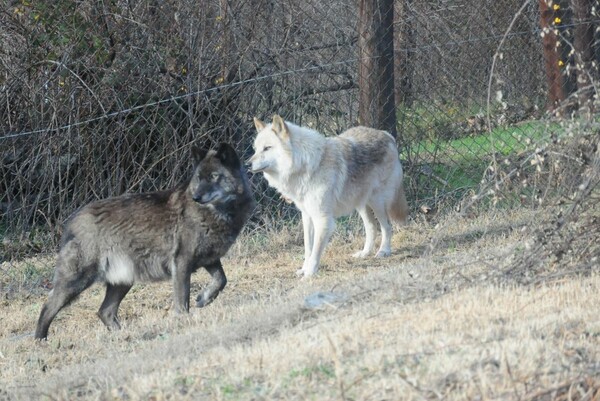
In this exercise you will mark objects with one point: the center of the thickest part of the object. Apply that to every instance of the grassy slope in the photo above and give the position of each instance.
(426, 323)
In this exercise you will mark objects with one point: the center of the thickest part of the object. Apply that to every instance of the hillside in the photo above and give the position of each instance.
(438, 319)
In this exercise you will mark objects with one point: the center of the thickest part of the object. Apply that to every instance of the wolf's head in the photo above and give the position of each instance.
(272, 147)
(218, 177)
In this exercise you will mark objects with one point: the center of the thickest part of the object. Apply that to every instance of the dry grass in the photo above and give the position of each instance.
(426, 323)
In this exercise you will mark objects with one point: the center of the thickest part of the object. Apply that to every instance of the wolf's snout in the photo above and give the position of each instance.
(255, 170)
(204, 198)
(251, 160)
(253, 165)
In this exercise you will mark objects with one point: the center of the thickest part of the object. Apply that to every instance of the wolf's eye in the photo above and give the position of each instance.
(214, 176)
(266, 148)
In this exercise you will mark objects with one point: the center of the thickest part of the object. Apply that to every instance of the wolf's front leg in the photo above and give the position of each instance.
(309, 235)
(219, 281)
(323, 228)
(181, 288)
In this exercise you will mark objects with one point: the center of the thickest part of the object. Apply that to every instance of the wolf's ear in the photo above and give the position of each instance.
(280, 128)
(228, 157)
(198, 154)
(259, 124)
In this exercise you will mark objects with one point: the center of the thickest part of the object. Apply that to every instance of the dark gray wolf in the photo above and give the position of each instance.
(327, 177)
(154, 236)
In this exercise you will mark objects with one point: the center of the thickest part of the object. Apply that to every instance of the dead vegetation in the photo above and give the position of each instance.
(569, 243)
(486, 303)
(427, 323)
(562, 177)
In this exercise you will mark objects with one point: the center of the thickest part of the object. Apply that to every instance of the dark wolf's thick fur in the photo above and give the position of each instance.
(154, 236)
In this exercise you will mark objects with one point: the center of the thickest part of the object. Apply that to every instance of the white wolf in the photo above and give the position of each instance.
(330, 177)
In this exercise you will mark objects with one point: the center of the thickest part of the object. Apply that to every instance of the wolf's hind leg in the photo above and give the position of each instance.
(219, 281)
(386, 229)
(65, 290)
(369, 221)
(109, 309)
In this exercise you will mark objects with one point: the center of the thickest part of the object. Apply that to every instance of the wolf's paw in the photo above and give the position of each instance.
(360, 254)
(110, 321)
(202, 301)
(308, 276)
(304, 274)
(383, 253)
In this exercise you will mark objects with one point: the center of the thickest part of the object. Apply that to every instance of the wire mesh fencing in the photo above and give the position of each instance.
(104, 98)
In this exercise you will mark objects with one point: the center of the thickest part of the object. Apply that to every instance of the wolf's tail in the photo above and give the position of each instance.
(398, 208)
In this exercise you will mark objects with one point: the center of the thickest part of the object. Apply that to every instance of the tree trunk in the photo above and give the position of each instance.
(553, 63)
(403, 52)
(376, 65)
(585, 68)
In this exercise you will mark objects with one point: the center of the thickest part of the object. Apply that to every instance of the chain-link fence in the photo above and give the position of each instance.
(103, 98)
